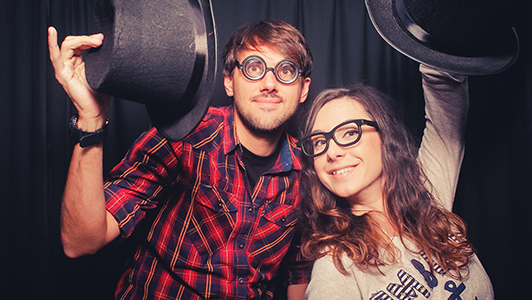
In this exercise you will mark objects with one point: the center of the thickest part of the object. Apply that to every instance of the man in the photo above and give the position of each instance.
(224, 197)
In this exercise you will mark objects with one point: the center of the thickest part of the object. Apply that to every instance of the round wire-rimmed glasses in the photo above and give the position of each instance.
(254, 68)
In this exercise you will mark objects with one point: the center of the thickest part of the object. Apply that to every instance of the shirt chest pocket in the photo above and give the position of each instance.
(282, 215)
(275, 231)
(213, 220)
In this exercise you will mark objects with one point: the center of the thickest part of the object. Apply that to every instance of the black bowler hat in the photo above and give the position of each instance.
(160, 53)
(470, 37)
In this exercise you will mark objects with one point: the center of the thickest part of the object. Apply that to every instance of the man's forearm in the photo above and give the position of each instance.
(85, 224)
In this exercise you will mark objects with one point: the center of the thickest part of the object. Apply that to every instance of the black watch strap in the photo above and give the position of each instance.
(86, 138)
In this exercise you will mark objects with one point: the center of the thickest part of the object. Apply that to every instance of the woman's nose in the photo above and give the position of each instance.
(335, 151)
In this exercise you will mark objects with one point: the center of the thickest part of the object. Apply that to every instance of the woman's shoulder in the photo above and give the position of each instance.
(324, 267)
(327, 282)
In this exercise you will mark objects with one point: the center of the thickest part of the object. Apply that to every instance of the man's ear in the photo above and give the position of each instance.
(304, 90)
(228, 84)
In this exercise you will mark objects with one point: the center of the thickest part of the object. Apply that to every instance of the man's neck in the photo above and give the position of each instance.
(259, 143)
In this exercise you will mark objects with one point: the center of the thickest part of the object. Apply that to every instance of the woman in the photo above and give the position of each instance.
(373, 221)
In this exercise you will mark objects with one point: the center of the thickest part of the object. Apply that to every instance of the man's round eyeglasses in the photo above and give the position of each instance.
(345, 134)
(254, 68)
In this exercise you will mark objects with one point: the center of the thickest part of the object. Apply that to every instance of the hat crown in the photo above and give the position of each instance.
(470, 37)
(159, 53)
(149, 50)
(461, 27)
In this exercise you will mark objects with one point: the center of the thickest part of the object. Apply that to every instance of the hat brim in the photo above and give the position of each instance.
(384, 18)
(175, 121)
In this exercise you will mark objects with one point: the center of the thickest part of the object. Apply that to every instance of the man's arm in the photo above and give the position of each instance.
(442, 148)
(297, 270)
(86, 226)
(296, 291)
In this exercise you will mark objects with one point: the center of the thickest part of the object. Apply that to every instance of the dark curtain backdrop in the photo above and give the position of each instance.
(492, 196)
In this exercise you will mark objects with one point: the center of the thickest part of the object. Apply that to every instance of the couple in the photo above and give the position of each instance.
(227, 196)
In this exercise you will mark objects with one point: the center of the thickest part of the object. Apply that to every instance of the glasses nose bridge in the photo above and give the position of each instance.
(266, 70)
(269, 82)
(330, 136)
(335, 150)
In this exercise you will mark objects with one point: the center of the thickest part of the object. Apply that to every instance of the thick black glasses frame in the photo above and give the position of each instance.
(266, 69)
(331, 135)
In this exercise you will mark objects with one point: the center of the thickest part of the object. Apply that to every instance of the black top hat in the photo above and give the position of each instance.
(161, 53)
(470, 37)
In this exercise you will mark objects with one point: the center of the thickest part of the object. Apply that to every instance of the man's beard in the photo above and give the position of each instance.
(262, 124)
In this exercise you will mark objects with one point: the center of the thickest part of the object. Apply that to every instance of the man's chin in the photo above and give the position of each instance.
(263, 127)
(267, 128)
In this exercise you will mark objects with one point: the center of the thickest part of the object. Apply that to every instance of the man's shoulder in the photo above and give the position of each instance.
(216, 112)
(210, 129)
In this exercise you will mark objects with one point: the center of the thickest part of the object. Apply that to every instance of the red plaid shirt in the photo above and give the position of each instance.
(212, 235)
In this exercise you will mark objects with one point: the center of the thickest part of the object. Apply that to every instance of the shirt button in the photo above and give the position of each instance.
(250, 209)
(283, 219)
(241, 280)
(241, 245)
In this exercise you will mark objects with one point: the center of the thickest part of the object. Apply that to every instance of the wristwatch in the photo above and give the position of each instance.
(86, 138)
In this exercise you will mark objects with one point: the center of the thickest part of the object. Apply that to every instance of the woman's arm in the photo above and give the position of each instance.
(442, 148)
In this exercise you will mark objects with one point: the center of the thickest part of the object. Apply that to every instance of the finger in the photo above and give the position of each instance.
(72, 45)
(53, 48)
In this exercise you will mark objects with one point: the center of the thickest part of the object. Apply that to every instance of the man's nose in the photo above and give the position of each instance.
(269, 82)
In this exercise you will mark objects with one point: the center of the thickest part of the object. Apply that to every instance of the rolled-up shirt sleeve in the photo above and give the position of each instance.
(140, 180)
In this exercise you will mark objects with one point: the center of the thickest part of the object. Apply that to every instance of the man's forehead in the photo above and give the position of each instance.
(269, 53)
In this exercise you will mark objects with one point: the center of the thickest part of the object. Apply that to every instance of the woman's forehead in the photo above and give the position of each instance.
(337, 111)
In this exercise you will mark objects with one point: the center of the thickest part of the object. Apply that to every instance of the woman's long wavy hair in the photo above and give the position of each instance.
(329, 226)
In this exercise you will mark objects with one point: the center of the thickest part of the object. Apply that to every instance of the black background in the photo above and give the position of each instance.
(492, 195)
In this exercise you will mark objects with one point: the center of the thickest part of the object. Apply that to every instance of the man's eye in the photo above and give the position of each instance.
(253, 69)
(287, 72)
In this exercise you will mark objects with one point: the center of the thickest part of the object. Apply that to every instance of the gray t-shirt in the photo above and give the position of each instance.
(408, 279)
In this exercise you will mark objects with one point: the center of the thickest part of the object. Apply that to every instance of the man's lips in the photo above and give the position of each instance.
(267, 103)
(267, 99)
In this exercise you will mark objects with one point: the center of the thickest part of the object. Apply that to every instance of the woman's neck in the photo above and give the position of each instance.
(376, 209)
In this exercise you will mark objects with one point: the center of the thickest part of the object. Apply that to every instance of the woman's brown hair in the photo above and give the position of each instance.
(329, 226)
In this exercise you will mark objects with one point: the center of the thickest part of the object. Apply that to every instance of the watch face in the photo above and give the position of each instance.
(73, 130)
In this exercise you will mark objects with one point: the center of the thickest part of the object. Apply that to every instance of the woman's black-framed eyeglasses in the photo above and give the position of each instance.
(345, 134)
(254, 68)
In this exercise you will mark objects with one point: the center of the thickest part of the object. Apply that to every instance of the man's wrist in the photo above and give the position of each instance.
(87, 138)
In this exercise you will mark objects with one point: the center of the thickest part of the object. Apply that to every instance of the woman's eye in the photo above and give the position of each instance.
(319, 143)
(350, 133)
